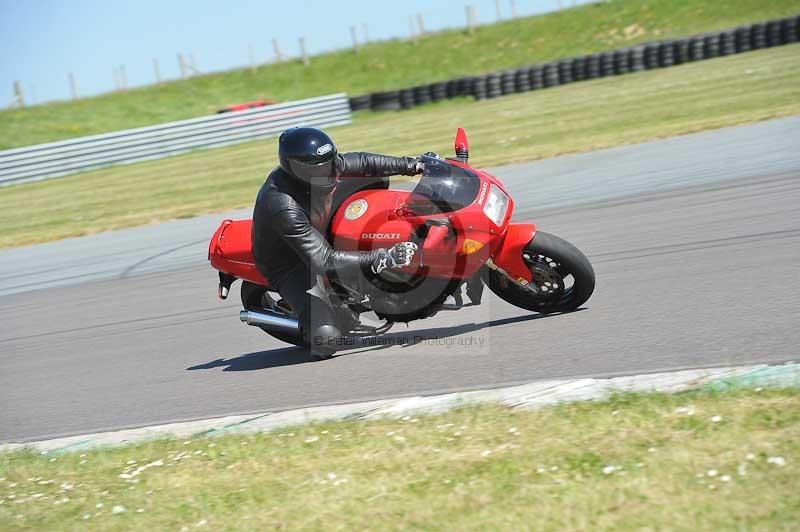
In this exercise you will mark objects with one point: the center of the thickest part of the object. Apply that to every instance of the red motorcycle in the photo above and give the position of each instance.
(460, 218)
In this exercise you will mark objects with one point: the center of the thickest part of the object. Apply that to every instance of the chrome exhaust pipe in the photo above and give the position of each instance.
(272, 321)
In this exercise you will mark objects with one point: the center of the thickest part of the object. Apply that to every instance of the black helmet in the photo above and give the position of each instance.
(308, 154)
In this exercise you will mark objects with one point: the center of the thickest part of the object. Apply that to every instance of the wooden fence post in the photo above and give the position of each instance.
(157, 71)
(355, 38)
(182, 65)
(73, 87)
(19, 98)
(276, 48)
(303, 51)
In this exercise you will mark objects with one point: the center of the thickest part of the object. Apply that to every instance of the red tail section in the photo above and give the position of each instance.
(230, 251)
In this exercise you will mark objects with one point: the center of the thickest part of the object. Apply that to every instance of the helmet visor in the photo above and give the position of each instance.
(317, 175)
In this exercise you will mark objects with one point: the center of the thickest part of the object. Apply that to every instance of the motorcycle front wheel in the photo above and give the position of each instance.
(563, 278)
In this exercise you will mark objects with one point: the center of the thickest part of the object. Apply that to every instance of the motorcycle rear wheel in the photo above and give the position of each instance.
(562, 276)
(254, 297)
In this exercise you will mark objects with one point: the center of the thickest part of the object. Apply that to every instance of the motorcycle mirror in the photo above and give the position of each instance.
(462, 145)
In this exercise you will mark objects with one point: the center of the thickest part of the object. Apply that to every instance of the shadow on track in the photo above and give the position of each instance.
(289, 356)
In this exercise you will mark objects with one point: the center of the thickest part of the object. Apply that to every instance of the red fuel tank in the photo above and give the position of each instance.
(368, 220)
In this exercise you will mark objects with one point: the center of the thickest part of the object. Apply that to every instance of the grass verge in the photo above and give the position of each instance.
(392, 64)
(577, 117)
(692, 461)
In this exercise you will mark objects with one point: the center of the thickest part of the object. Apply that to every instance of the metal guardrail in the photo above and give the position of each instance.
(55, 159)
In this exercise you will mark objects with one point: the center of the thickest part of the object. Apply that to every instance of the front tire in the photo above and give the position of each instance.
(563, 278)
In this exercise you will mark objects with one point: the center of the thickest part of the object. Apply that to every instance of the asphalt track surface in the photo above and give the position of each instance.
(695, 242)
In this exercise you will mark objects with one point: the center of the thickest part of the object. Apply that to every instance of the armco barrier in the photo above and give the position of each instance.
(640, 57)
(55, 159)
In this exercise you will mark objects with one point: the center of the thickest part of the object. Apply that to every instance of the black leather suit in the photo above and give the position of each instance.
(289, 226)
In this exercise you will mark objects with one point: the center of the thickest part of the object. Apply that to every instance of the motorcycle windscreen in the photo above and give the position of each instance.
(443, 188)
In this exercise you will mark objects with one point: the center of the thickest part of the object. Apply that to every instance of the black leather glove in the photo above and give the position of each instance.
(398, 256)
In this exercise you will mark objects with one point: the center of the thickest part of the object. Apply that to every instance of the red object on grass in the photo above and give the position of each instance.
(246, 105)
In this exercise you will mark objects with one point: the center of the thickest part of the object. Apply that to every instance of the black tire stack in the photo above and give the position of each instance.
(522, 80)
(636, 58)
(727, 43)
(741, 37)
(758, 36)
(406, 98)
(508, 82)
(652, 53)
(790, 29)
(438, 91)
(621, 61)
(451, 89)
(359, 103)
(680, 51)
(606, 64)
(697, 49)
(579, 68)
(479, 87)
(493, 85)
(593, 66)
(536, 74)
(550, 75)
(666, 54)
(711, 44)
(564, 72)
(422, 94)
(385, 101)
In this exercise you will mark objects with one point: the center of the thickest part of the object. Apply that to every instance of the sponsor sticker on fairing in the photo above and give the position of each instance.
(482, 195)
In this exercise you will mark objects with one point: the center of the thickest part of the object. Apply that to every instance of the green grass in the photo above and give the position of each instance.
(576, 117)
(630, 463)
(392, 64)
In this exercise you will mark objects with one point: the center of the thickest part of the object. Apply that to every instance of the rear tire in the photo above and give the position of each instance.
(254, 297)
(553, 262)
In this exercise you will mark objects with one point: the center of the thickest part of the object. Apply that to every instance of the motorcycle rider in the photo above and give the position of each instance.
(291, 216)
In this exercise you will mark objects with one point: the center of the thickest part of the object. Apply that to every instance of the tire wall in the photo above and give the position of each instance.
(645, 56)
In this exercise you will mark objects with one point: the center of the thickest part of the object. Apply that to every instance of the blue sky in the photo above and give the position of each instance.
(43, 40)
